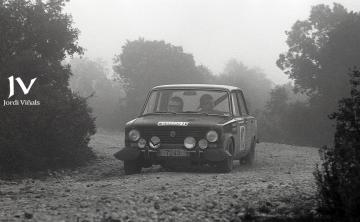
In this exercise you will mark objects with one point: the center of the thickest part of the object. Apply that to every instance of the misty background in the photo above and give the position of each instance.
(251, 31)
(297, 63)
(131, 46)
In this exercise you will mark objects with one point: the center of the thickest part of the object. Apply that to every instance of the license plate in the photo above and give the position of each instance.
(173, 152)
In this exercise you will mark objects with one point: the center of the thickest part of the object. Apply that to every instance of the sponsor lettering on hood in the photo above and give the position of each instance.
(173, 123)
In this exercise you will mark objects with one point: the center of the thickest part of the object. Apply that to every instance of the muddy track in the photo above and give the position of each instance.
(279, 184)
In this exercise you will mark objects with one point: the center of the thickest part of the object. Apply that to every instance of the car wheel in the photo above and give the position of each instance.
(132, 167)
(250, 157)
(226, 165)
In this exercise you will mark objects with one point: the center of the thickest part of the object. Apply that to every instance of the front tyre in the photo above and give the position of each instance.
(132, 167)
(226, 165)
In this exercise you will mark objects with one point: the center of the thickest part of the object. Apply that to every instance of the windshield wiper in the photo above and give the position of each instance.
(195, 112)
(217, 114)
(204, 113)
(160, 112)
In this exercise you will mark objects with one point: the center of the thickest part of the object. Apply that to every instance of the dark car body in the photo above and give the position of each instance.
(237, 133)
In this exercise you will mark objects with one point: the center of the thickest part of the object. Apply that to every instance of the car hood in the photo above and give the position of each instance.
(186, 120)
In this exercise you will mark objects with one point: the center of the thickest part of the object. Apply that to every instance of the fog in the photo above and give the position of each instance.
(281, 146)
(251, 31)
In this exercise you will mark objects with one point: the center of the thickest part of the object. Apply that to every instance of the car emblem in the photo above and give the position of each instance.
(172, 133)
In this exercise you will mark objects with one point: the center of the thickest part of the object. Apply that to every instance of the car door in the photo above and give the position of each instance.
(240, 133)
(249, 121)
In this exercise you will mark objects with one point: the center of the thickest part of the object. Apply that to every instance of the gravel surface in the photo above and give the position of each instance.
(279, 185)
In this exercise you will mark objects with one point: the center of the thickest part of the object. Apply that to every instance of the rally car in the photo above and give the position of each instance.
(190, 124)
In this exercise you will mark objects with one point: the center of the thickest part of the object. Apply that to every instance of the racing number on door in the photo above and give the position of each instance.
(242, 138)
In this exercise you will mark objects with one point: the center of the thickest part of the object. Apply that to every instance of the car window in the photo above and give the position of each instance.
(243, 108)
(189, 101)
(235, 104)
(151, 103)
(223, 105)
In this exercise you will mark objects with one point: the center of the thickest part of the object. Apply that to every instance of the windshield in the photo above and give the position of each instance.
(188, 101)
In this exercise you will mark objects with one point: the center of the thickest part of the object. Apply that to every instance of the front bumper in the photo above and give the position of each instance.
(196, 154)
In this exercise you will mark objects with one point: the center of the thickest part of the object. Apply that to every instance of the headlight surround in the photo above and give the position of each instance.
(134, 135)
(203, 144)
(212, 136)
(189, 142)
(142, 143)
(154, 142)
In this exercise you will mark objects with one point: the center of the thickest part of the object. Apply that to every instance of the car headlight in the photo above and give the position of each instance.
(154, 142)
(141, 143)
(189, 142)
(203, 143)
(134, 135)
(212, 136)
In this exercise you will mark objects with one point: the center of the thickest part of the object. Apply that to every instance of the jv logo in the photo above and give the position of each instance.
(25, 89)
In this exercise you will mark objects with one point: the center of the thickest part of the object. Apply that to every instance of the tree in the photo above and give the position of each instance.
(278, 100)
(338, 178)
(35, 37)
(283, 119)
(321, 49)
(145, 64)
(253, 82)
(90, 78)
(318, 54)
(271, 127)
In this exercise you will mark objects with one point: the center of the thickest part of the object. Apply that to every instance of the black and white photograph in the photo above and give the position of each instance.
(179, 110)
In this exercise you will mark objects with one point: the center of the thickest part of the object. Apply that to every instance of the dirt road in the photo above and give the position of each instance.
(280, 184)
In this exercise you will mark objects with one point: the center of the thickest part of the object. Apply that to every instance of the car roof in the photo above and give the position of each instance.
(196, 86)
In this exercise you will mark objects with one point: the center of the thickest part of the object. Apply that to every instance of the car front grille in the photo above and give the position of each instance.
(181, 133)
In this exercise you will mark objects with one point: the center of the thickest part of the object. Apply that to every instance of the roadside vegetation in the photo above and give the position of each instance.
(35, 39)
(79, 95)
(338, 176)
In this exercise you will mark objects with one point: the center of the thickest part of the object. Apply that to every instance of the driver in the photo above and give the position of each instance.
(207, 104)
(175, 104)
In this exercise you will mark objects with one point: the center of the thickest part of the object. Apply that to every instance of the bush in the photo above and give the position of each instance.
(55, 134)
(51, 136)
(338, 178)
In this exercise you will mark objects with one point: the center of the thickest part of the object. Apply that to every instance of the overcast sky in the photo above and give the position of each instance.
(251, 31)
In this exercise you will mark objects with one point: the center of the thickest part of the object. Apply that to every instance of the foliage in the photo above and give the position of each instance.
(253, 82)
(284, 119)
(270, 123)
(35, 38)
(338, 178)
(314, 56)
(321, 50)
(144, 64)
(90, 78)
